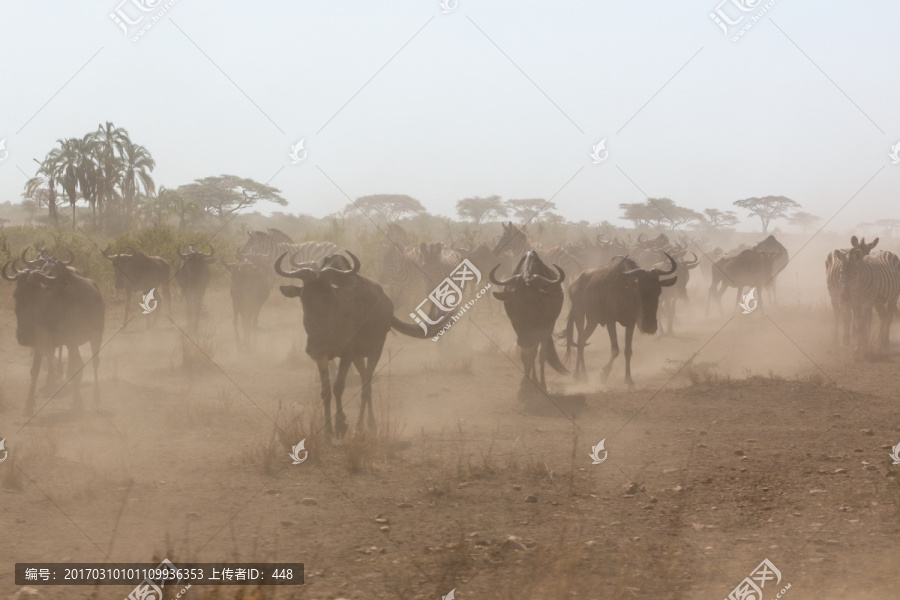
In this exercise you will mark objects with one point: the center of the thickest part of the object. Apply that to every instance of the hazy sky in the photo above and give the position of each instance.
(499, 97)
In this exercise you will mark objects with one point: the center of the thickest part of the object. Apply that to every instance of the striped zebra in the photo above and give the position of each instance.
(272, 243)
(870, 282)
(401, 273)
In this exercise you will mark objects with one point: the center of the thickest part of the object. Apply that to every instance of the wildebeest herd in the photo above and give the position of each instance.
(347, 316)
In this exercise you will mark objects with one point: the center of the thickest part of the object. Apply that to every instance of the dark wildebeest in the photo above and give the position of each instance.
(251, 282)
(137, 272)
(533, 297)
(748, 268)
(63, 309)
(678, 292)
(193, 276)
(620, 292)
(870, 282)
(835, 281)
(779, 262)
(346, 316)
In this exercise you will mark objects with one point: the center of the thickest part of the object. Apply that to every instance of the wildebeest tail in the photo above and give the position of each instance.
(548, 349)
(567, 334)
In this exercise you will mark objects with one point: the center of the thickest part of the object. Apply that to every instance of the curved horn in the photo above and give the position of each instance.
(670, 271)
(353, 270)
(71, 259)
(29, 263)
(560, 276)
(106, 255)
(640, 238)
(212, 252)
(304, 273)
(133, 251)
(7, 277)
(693, 263)
(495, 281)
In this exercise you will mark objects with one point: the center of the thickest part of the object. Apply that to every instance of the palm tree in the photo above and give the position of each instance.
(109, 142)
(45, 178)
(137, 164)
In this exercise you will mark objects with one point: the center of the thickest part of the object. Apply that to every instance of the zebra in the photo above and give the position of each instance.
(869, 282)
(514, 243)
(401, 272)
(270, 244)
(834, 280)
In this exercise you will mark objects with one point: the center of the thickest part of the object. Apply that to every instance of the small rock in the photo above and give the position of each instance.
(867, 432)
(287, 523)
(192, 516)
(381, 520)
(739, 452)
(517, 488)
(272, 491)
(816, 491)
(632, 489)
(309, 502)
(384, 528)
(404, 505)
(839, 471)
(531, 499)
(464, 484)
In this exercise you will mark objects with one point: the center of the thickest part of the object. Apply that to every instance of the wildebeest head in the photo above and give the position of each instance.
(648, 285)
(530, 273)
(321, 285)
(124, 265)
(30, 285)
(192, 253)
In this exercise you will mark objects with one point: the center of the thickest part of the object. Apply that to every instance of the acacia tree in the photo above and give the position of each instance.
(804, 220)
(531, 209)
(387, 208)
(656, 212)
(713, 218)
(479, 210)
(223, 195)
(768, 208)
(889, 224)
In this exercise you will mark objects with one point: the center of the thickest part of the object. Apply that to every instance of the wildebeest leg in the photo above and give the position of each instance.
(584, 332)
(127, 305)
(95, 350)
(613, 350)
(366, 372)
(340, 380)
(629, 335)
(74, 372)
(35, 371)
(543, 360)
(528, 355)
(322, 363)
(234, 323)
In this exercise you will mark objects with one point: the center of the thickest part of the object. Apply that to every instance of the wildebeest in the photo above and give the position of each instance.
(779, 262)
(870, 282)
(251, 282)
(533, 298)
(619, 292)
(748, 268)
(64, 309)
(835, 282)
(137, 272)
(193, 276)
(346, 316)
(678, 292)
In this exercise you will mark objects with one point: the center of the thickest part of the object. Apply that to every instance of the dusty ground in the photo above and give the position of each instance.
(771, 443)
